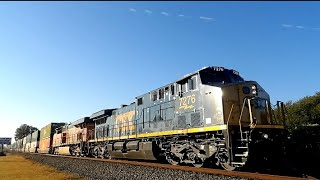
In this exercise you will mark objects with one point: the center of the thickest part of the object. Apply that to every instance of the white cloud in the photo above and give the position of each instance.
(148, 11)
(165, 13)
(206, 18)
(299, 27)
(181, 15)
(286, 25)
(133, 10)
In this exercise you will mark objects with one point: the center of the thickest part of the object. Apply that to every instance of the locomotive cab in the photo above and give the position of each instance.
(244, 107)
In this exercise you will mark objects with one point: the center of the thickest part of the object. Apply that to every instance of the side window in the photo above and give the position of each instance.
(140, 101)
(181, 87)
(192, 83)
(172, 89)
(184, 87)
(178, 88)
(154, 95)
(161, 93)
(166, 89)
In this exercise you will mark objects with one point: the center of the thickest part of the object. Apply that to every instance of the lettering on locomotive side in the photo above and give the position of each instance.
(125, 116)
(125, 121)
(187, 102)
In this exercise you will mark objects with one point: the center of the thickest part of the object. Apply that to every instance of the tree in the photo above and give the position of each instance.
(23, 131)
(303, 120)
(305, 111)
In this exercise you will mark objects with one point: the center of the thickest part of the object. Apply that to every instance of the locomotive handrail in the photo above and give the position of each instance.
(244, 101)
(228, 124)
(268, 112)
(252, 124)
(230, 114)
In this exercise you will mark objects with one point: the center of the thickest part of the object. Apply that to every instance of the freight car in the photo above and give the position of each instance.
(34, 144)
(210, 116)
(28, 143)
(46, 136)
(24, 143)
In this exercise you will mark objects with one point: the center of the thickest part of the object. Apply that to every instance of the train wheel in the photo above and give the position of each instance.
(198, 162)
(95, 152)
(198, 165)
(101, 153)
(106, 154)
(172, 159)
(227, 166)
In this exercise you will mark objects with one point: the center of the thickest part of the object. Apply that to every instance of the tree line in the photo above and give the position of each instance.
(304, 112)
(23, 131)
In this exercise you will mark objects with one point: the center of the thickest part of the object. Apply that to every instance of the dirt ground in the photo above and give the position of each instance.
(16, 167)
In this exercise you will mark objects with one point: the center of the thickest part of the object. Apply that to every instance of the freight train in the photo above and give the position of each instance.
(210, 116)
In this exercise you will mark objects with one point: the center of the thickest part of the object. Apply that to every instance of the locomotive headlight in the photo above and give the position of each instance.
(266, 136)
(254, 92)
(254, 89)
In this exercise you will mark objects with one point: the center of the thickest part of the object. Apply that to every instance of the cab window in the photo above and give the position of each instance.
(183, 87)
(192, 83)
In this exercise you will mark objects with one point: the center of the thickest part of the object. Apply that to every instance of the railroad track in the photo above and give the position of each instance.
(187, 168)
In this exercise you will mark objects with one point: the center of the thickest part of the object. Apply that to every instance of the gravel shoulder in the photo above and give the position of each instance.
(103, 170)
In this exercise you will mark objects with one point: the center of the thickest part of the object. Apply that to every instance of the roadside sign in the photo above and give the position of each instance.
(6, 141)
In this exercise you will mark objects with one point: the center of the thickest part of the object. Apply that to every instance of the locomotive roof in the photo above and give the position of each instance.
(190, 74)
(202, 69)
(102, 113)
(187, 75)
(80, 121)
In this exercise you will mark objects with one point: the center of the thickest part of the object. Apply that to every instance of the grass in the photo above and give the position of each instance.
(17, 167)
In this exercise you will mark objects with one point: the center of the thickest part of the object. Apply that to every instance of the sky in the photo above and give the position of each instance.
(61, 61)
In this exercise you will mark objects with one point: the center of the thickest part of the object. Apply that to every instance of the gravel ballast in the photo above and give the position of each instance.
(104, 170)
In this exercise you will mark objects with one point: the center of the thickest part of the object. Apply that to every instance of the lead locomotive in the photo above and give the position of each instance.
(211, 116)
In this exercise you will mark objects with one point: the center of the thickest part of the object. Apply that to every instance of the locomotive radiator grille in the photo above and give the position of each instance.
(195, 119)
(182, 122)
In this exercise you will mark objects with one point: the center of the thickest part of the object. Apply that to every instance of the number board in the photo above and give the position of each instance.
(5, 141)
(187, 102)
